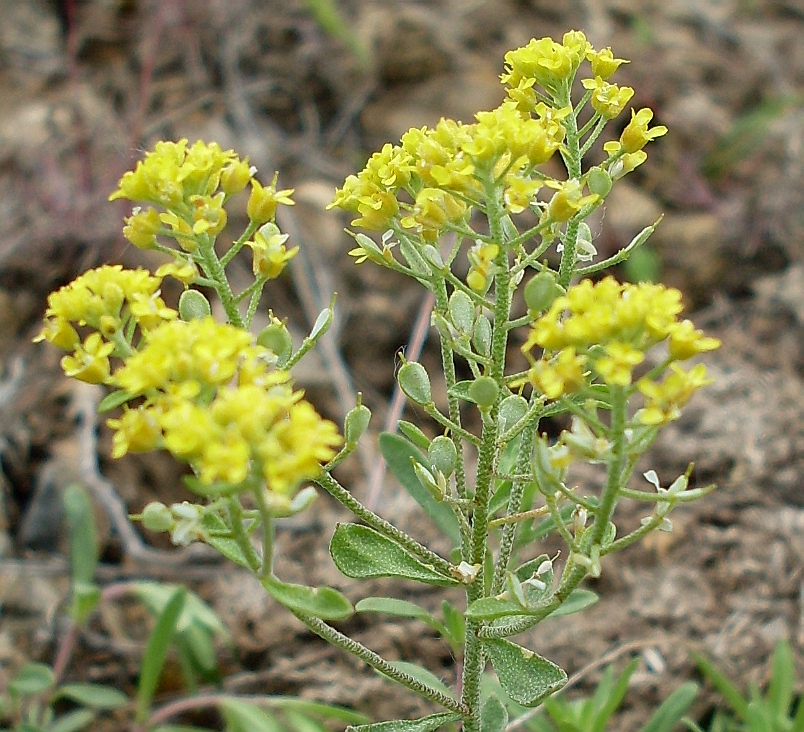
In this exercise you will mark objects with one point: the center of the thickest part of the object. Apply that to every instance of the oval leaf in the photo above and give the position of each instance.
(524, 675)
(320, 602)
(33, 678)
(491, 608)
(578, 600)
(398, 452)
(493, 716)
(95, 696)
(73, 721)
(242, 716)
(392, 606)
(361, 553)
(425, 724)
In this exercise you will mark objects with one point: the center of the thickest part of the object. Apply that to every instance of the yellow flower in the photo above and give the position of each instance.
(90, 361)
(608, 100)
(235, 176)
(482, 268)
(142, 227)
(519, 193)
(603, 62)
(270, 254)
(433, 210)
(263, 201)
(636, 134)
(184, 271)
(663, 401)
(136, 431)
(568, 199)
(209, 216)
(60, 333)
(562, 375)
(376, 211)
(686, 341)
(617, 365)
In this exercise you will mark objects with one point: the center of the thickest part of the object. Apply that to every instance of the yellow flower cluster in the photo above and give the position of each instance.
(213, 398)
(193, 183)
(606, 328)
(110, 300)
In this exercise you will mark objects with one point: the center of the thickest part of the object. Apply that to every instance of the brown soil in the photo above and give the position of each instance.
(86, 86)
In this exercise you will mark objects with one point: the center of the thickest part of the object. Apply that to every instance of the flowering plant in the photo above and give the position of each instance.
(468, 211)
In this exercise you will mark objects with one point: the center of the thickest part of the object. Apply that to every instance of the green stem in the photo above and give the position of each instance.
(238, 245)
(344, 642)
(454, 407)
(614, 478)
(267, 522)
(514, 506)
(239, 534)
(216, 272)
(340, 494)
(474, 659)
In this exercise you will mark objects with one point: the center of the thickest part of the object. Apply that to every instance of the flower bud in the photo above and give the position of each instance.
(540, 292)
(415, 383)
(443, 455)
(156, 516)
(355, 424)
(483, 391)
(427, 480)
(235, 177)
(193, 305)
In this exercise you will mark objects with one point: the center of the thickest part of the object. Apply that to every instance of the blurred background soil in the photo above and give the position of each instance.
(87, 86)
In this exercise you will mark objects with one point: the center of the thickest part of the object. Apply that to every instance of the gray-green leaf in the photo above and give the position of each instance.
(425, 724)
(524, 675)
(320, 602)
(362, 553)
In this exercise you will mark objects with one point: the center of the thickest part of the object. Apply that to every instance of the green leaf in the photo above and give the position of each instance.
(672, 709)
(73, 721)
(156, 651)
(318, 709)
(730, 692)
(113, 400)
(424, 724)
(493, 716)
(782, 681)
(398, 452)
(156, 595)
(524, 675)
(362, 553)
(83, 552)
(94, 696)
(577, 601)
(177, 728)
(400, 609)
(454, 624)
(33, 678)
(492, 608)
(242, 716)
(320, 602)
(460, 390)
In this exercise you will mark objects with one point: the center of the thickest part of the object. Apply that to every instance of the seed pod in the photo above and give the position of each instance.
(540, 292)
(461, 311)
(512, 409)
(483, 391)
(156, 516)
(276, 337)
(193, 305)
(481, 335)
(414, 434)
(443, 455)
(433, 257)
(355, 424)
(415, 383)
(414, 259)
(599, 181)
